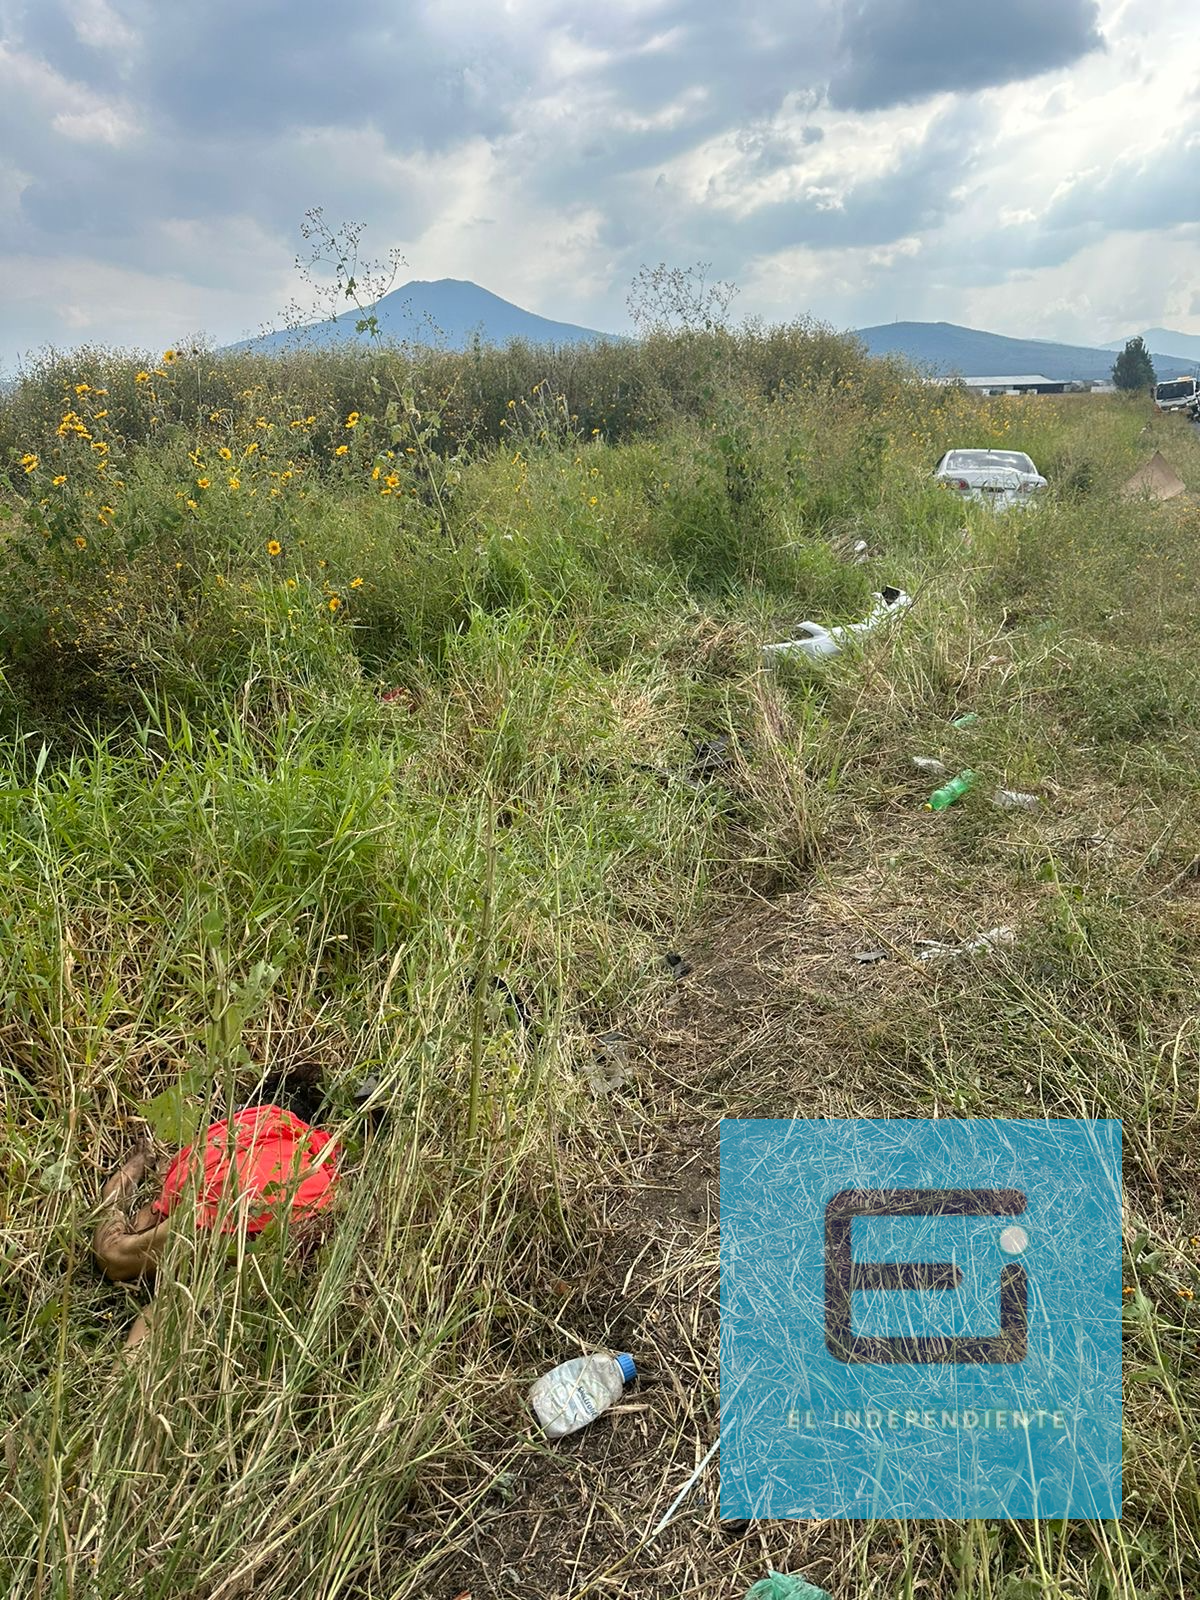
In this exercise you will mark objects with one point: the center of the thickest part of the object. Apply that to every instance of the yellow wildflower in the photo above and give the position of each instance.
(225, 453)
(99, 446)
(168, 356)
(342, 449)
(59, 480)
(235, 482)
(98, 415)
(82, 388)
(202, 483)
(592, 501)
(376, 472)
(352, 420)
(80, 542)
(273, 547)
(392, 480)
(29, 461)
(356, 583)
(141, 377)
(191, 505)
(291, 583)
(251, 447)
(334, 602)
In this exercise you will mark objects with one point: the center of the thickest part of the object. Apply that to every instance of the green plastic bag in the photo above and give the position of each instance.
(780, 1586)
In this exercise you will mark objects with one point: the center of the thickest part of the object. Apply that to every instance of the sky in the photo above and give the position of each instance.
(1024, 166)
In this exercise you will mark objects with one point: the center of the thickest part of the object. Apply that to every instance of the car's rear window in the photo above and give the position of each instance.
(974, 460)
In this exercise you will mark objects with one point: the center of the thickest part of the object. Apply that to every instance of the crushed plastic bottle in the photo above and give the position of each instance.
(994, 939)
(929, 765)
(950, 792)
(1013, 799)
(570, 1396)
(783, 1586)
(967, 720)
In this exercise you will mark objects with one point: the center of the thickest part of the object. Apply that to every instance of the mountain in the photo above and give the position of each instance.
(1183, 344)
(943, 347)
(446, 313)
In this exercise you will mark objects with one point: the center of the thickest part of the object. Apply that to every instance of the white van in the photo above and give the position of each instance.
(1178, 394)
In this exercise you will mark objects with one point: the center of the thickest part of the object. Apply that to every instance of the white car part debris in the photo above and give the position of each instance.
(815, 642)
(993, 939)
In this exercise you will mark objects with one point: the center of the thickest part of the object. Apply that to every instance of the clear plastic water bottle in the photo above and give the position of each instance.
(950, 792)
(570, 1396)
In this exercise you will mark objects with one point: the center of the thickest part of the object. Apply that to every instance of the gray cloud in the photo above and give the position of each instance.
(892, 52)
(242, 116)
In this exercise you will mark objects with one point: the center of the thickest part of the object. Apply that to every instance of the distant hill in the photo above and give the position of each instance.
(943, 347)
(1183, 344)
(445, 313)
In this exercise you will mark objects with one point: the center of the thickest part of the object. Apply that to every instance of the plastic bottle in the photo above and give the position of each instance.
(967, 720)
(950, 792)
(571, 1395)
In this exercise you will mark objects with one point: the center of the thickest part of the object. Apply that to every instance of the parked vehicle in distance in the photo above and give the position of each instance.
(998, 478)
(1178, 394)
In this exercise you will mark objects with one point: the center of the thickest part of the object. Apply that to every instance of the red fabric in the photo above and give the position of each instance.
(271, 1148)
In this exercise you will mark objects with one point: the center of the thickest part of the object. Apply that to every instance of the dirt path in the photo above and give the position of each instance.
(582, 1510)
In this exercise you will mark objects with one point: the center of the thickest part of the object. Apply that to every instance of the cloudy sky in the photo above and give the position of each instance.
(1027, 166)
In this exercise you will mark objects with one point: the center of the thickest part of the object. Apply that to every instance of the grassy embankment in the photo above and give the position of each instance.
(223, 850)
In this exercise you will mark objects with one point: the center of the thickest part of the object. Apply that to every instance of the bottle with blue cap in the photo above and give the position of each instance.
(571, 1395)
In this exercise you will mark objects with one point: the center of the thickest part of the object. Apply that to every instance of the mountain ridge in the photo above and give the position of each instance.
(444, 313)
(946, 348)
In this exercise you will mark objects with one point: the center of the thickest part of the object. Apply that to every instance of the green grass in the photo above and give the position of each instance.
(222, 852)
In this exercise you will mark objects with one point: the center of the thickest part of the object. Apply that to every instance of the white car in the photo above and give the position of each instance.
(998, 478)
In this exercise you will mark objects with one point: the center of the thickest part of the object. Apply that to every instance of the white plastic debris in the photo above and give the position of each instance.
(816, 642)
(1013, 799)
(993, 939)
(929, 765)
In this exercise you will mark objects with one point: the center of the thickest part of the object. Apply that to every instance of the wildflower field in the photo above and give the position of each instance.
(335, 687)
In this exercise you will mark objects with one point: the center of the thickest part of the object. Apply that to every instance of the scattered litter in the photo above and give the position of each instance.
(401, 697)
(950, 792)
(610, 1065)
(816, 642)
(929, 765)
(676, 965)
(993, 939)
(711, 755)
(365, 1090)
(869, 957)
(1156, 478)
(967, 720)
(783, 1586)
(1013, 799)
(861, 553)
(570, 1396)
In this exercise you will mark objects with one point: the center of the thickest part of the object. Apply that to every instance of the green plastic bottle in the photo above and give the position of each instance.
(950, 792)
(967, 720)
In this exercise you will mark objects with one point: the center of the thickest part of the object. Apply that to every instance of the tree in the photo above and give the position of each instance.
(1133, 368)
